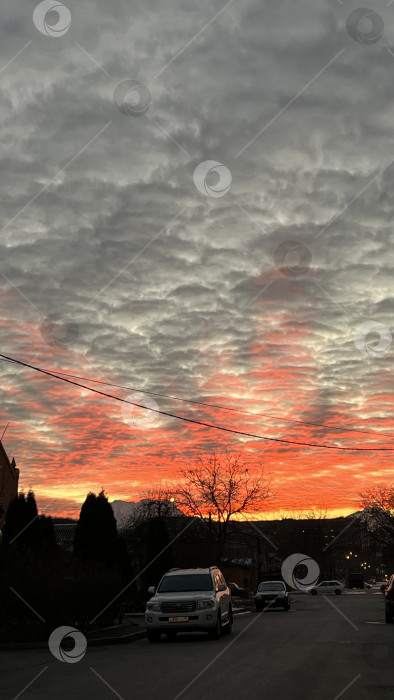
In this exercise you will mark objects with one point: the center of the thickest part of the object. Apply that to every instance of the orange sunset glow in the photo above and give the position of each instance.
(70, 441)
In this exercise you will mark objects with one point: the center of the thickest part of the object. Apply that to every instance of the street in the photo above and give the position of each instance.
(322, 649)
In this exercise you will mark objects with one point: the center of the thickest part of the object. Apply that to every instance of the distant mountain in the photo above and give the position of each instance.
(125, 510)
(363, 514)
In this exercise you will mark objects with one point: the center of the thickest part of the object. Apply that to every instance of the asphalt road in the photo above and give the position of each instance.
(322, 649)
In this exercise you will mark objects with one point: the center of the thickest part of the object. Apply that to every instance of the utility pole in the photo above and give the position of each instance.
(210, 537)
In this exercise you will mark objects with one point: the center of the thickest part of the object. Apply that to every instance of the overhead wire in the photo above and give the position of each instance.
(221, 406)
(192, 420)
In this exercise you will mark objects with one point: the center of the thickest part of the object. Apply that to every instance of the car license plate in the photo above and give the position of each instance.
(178, 619)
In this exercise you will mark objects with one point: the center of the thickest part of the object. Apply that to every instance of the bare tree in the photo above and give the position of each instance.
(378, 503)
(147, 534)
(309, 513)
(221, 487)
(316, 513)
(157, 502)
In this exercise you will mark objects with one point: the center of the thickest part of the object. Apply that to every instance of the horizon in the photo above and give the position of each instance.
(258, 516)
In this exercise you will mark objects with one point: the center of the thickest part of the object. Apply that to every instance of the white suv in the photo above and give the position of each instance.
(189, 600)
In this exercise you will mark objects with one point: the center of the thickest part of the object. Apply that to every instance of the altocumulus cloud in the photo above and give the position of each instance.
(174, 291)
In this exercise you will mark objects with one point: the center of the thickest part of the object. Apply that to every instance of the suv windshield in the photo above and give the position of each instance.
(271, 586)
(186, 582)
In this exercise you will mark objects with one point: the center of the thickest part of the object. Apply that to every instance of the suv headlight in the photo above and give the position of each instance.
(201, 604)
(153, 606)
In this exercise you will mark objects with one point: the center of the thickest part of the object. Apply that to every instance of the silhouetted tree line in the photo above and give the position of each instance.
(24, 527)
(39, 581)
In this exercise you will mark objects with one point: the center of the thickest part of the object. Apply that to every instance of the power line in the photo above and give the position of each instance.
(225, 408)
(191, 420)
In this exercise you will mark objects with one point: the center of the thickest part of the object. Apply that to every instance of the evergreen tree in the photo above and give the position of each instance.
(22, 526)
(96, 536)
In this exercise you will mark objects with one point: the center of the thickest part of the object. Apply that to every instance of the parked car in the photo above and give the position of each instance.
(326, 588)
(189, 600)
(237, 591)
(389, 600)
(271, 594)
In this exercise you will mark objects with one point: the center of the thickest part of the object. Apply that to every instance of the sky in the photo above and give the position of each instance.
(197, 201)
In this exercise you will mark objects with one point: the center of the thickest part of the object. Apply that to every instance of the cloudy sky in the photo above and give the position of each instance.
(197, 201)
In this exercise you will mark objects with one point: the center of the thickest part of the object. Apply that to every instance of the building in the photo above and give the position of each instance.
(9, 477)
(65, 529)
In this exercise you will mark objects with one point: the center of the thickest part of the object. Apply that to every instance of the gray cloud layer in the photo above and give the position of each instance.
(121, 243)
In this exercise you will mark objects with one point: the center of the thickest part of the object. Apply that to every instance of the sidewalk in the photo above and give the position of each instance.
(131, 629)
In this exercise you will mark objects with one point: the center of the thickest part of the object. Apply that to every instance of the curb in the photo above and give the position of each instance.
(94, 641)
(122, 639)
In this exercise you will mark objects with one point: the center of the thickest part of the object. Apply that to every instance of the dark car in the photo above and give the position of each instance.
(271, 594)
(389, 600)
